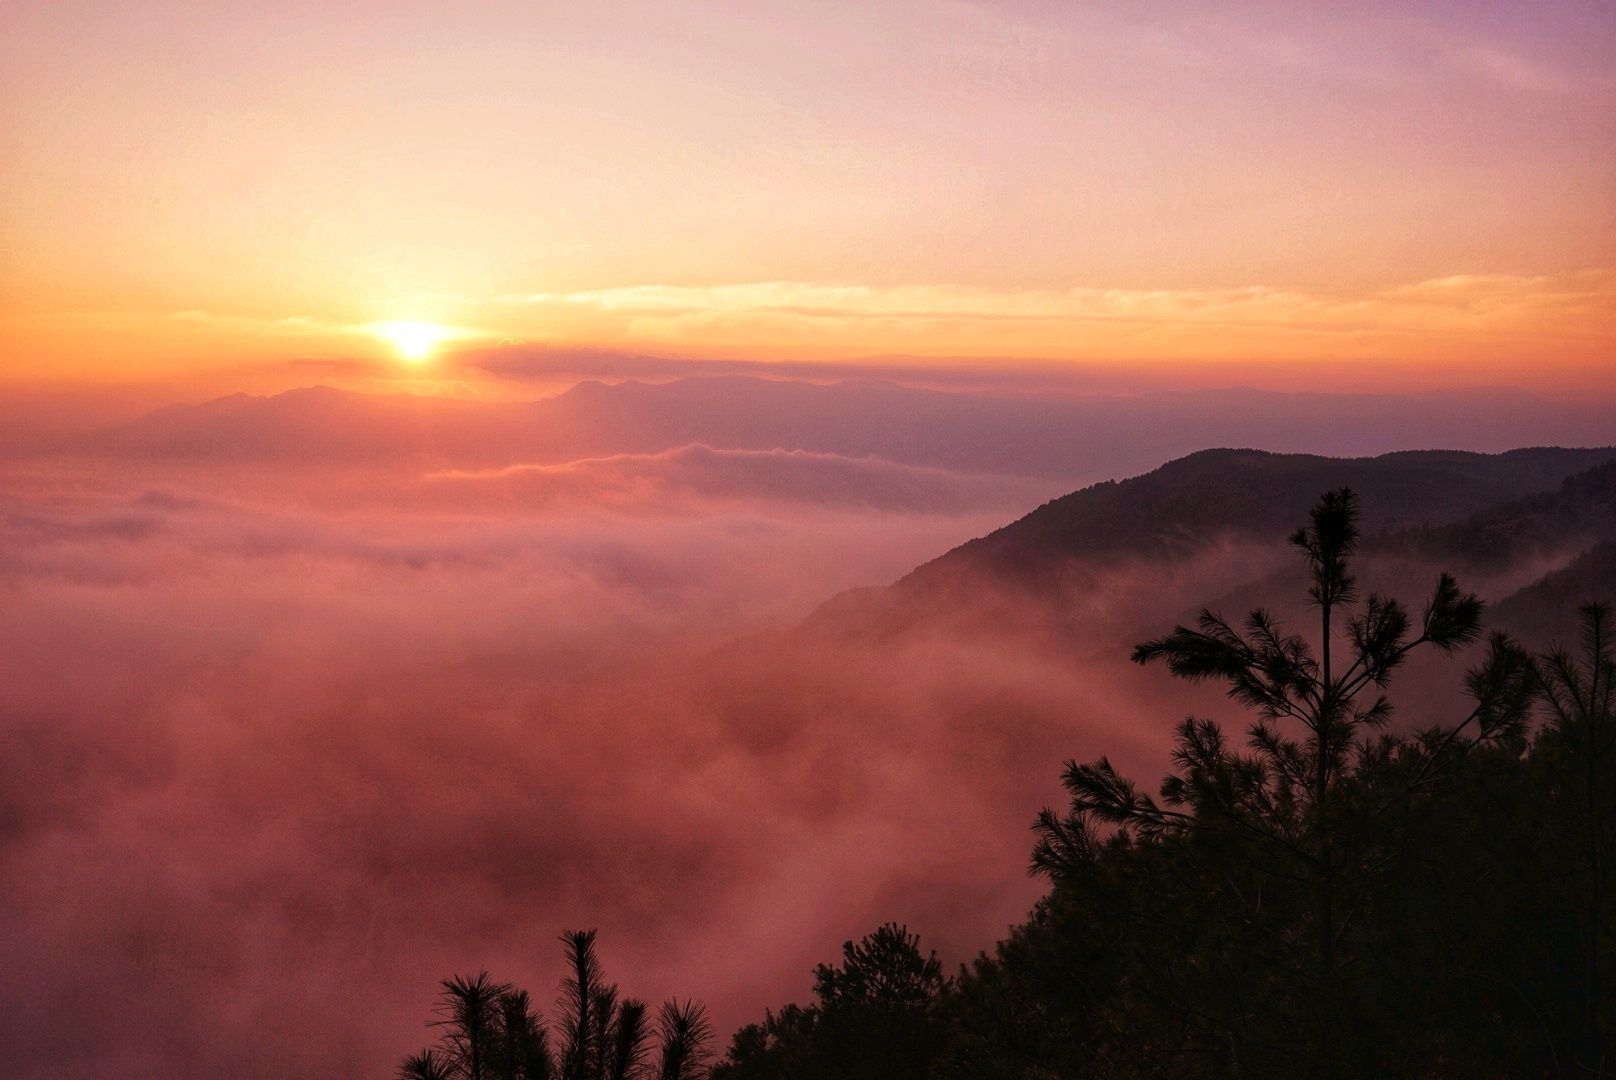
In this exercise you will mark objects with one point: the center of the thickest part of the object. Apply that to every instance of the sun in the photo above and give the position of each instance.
(413, 341)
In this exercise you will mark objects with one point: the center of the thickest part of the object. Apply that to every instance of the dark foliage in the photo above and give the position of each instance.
(1321, 896)
(491, 1031)
(877, 1015)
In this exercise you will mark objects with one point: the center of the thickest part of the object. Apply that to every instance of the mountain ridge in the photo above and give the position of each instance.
(1072, 524)
(1421, 503)
(1071, 440)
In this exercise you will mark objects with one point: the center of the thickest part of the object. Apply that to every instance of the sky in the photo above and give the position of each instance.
(1382, 194)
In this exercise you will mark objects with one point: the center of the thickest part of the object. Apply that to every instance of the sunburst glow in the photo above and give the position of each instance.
(413, 341)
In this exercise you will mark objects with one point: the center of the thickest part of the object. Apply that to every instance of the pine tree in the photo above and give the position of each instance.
(1308, 803)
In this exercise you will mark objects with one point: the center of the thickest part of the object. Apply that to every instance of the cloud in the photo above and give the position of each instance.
(273, 752)
(1245, 305)
(563, 365)
(317, 327)
(1251, 322)
(681, 479)
(1513, 70)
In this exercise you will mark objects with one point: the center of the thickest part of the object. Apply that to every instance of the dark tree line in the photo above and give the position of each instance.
(490, 1030)
(1321, 894)
(1318, 895)
(875, 1016)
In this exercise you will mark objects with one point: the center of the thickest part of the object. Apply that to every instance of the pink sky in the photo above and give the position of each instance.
(197, 187)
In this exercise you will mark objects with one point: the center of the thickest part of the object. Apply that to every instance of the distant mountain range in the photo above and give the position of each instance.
(1074, 440)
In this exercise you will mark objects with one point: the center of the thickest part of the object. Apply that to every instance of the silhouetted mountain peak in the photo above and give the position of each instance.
(1196, 499)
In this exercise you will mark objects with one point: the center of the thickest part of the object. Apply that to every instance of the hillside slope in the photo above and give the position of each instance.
(1187, 503)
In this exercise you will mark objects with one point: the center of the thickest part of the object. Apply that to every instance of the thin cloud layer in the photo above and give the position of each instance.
(1445, 319)
(679, 480)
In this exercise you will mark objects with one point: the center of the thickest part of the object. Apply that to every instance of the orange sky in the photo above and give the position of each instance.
(194, 190)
